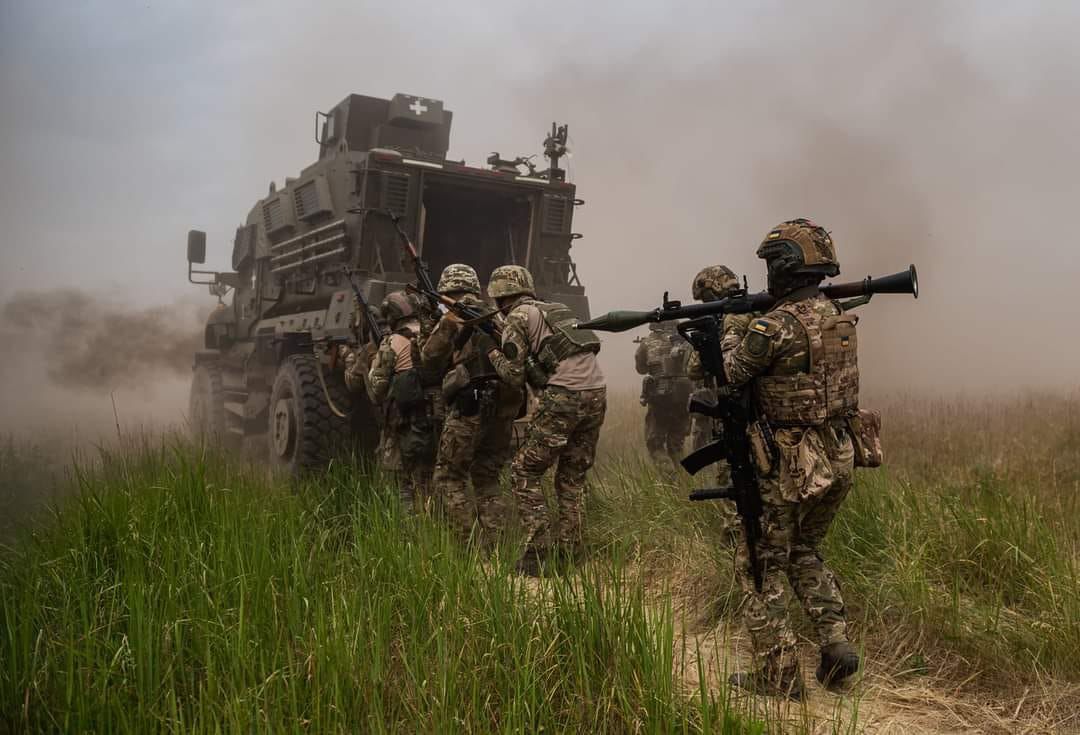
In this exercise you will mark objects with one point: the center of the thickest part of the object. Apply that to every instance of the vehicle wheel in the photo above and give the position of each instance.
(206, 404)
(303, 431)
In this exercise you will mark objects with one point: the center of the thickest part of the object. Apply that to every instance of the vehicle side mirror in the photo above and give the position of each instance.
(196, 246)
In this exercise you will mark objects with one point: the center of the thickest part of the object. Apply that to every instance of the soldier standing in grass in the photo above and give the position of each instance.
(663, 358)
(407, 392)
(541, 346)
(477, 436)
(800, 362)
(712, 283)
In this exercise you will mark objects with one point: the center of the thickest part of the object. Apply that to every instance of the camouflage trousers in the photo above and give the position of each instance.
(476, 447)
(800, 498)
(666, 428)
(563, 432)
(407, 449)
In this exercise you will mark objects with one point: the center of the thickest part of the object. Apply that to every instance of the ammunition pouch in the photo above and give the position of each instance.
(762, 449)
(865, 428)
(648, 389)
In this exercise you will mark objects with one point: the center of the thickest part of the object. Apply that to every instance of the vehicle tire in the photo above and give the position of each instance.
(304, 433)
(206, 403)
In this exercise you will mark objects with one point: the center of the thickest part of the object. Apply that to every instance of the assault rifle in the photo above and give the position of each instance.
(374, 329)
(424, 284)
(735, 409)
(471, 316)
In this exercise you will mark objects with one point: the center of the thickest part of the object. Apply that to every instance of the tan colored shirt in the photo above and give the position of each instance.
(526, 330)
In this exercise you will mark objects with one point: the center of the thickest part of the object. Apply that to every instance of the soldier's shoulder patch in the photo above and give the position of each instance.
(764, 326)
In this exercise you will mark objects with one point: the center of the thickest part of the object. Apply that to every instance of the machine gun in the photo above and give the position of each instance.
(746, 303)
(735, 409)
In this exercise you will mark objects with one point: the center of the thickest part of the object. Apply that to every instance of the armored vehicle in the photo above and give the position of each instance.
(268, 377)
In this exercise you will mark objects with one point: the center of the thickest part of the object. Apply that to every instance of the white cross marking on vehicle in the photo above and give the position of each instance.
(418, 107)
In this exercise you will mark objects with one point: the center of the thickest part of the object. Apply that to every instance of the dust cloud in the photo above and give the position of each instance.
(81, 359)
(941, 135)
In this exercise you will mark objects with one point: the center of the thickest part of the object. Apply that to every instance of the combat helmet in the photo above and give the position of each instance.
(662, 326)
(510, 280)
(799, 247)
(397, 307)
(714, 282)
(458, 277)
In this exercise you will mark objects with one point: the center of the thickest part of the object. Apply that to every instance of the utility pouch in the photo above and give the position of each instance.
(762, 451)
(454, 381)
(535, 374)
(865, 427)
(406, 391)
(648, 388)
(467, 401)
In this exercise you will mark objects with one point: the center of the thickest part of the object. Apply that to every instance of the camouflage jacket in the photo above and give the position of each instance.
(395, 355)
(440, 352)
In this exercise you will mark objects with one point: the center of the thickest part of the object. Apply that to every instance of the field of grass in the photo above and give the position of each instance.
(176, 591)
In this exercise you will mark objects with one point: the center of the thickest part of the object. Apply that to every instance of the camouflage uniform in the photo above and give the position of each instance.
(710, 284)
(540, 345)
(663, 357)
(477, 435)
(408, 395)
(800, 359)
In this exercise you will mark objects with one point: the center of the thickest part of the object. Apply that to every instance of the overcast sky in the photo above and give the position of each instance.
(943, 134)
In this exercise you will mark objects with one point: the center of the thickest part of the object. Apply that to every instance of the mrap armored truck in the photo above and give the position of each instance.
(268, 379)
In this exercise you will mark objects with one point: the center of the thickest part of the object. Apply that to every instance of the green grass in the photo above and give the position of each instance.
(173, 592)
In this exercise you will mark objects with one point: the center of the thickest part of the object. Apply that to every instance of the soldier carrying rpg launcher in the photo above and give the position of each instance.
(792, 433)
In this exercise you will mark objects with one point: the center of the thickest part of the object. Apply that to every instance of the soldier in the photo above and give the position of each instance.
(398, 382)
(541, 346)
(712, 283)
(663, 357)
(800, 359)
(478, 432)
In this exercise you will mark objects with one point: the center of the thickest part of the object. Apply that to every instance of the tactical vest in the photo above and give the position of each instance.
(475, 361)
(565, 340)
(666, 362)
(830, 388)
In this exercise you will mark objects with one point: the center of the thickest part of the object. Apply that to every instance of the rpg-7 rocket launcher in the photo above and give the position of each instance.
(906, 281)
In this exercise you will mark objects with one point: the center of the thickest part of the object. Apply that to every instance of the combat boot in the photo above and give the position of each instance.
(771, 682)
(839, 661)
